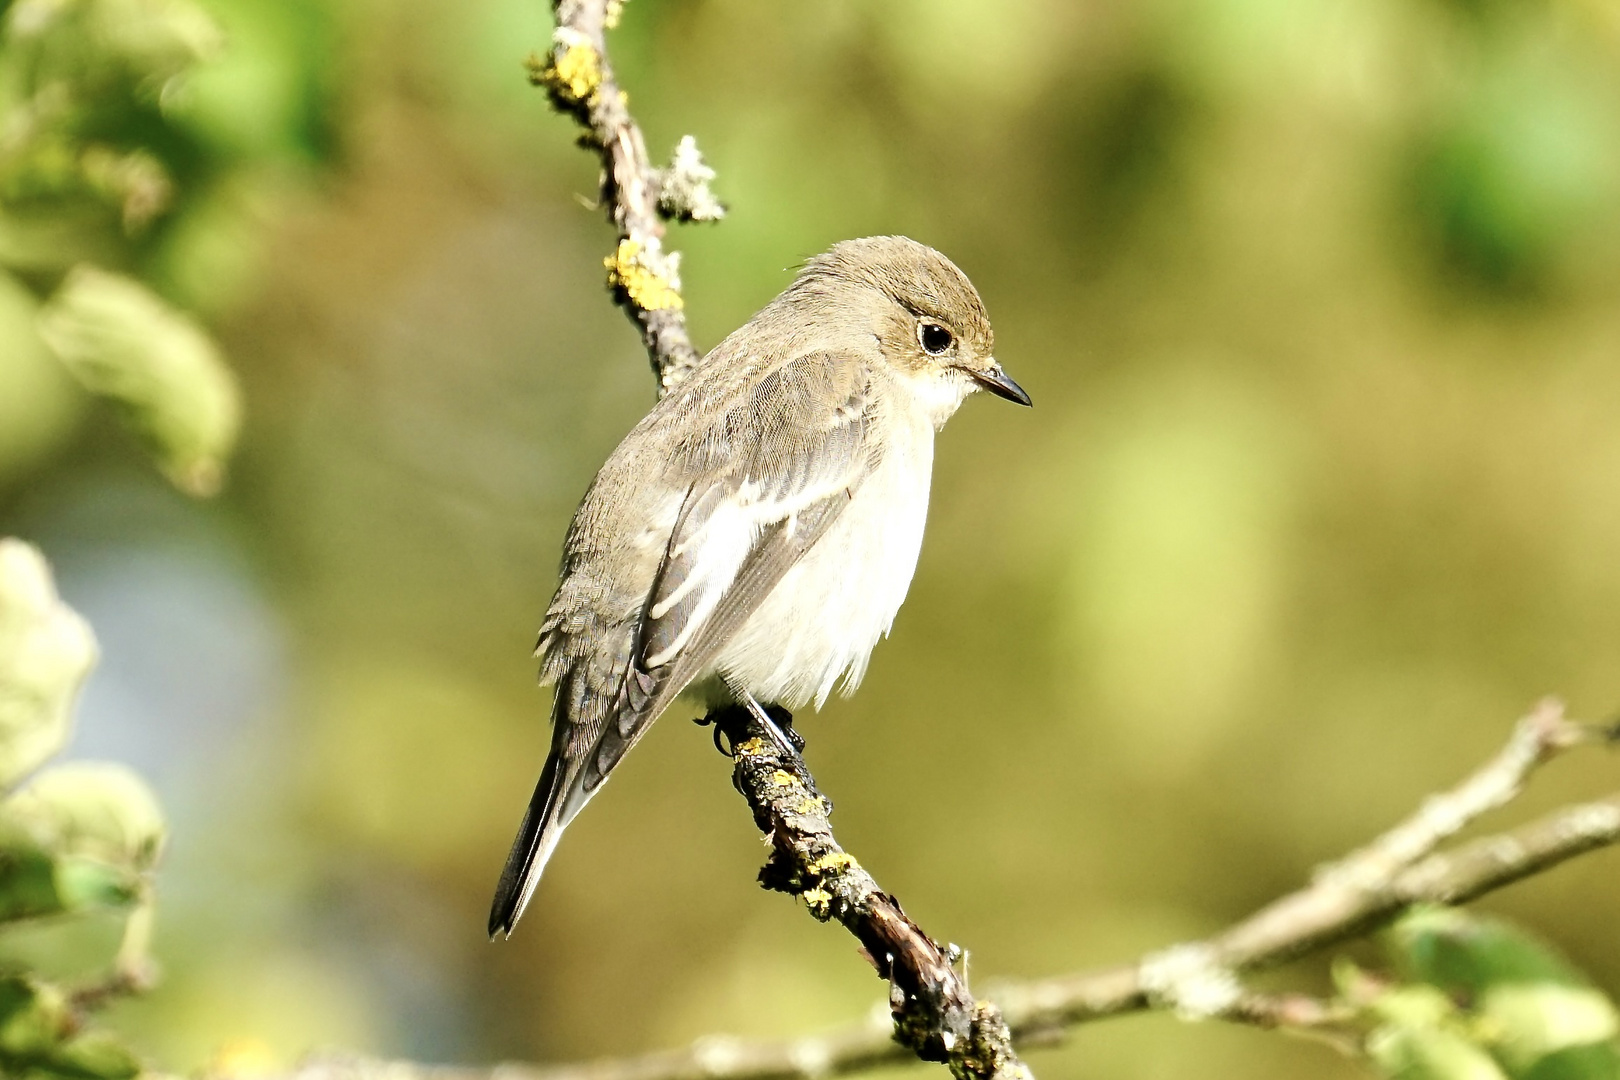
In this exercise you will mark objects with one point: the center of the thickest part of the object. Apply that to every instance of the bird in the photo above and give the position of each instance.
(753, 537)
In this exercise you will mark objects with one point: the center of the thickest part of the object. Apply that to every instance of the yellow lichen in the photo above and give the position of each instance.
(646, 288)
(807, 805)
(749, 748)
(832, 862)
(818, 901)
(783, 778)
(574, 73)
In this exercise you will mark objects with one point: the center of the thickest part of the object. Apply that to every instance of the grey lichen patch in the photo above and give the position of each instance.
(683, 189)
(1191, 980)
(1595, 821)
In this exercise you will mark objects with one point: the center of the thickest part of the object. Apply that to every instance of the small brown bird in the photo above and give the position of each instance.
(752, 538)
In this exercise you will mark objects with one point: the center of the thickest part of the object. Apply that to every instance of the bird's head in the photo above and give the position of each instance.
(924, 312)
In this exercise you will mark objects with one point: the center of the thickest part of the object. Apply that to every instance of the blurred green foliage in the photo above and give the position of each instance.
(1484, 1001)
(45, 652)
(137, 161)
(76, 839)
(123, 342)
(39, 1037)
(1522, 160)
(1320, 304)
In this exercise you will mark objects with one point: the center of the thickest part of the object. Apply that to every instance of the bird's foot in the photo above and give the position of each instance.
(778, 724)
(732, 723)
(782, 720)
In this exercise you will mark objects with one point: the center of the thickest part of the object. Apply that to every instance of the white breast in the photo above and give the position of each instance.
(822, 620)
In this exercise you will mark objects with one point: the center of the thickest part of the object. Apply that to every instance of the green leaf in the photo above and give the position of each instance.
(35, 882)
(1467, 953)
(162, 370)
(90, 810)
(1430, 1054)
(79, 836)
(157, 38)
(28, 881)
(46, 650)
(98, 42)
(38, 1037)
(33, 1020)
(39, 404)
(1525, 1022)
(1415, 1007)
(1577, 1063)
(94, 1056)
(86, 883)
(1529, 1006)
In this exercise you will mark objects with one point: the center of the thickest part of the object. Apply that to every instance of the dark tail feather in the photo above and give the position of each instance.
(543, 823)
(567, 783)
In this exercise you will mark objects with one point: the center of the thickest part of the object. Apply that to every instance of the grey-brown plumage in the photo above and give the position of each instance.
(757, 531)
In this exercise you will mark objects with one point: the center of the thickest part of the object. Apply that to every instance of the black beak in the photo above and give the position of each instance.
(995, 380)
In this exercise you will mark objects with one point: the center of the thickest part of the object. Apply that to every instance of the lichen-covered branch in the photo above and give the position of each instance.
(644, 277)
(1199, 980)
(935, 1014)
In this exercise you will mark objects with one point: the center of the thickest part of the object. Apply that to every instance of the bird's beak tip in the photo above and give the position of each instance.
(998, 383)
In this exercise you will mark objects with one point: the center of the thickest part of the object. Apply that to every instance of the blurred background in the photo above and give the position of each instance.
(1319, 303)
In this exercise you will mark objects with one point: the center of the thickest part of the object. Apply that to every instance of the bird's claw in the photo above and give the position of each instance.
(715, 719)
(775, 721)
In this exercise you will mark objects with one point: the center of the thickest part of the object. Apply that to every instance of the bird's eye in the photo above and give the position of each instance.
(934, 338)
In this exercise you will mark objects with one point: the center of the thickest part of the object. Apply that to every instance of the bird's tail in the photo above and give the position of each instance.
(557, 798)
(603, 706)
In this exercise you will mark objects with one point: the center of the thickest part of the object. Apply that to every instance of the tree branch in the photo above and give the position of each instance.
(935, 1015)
(645, 278)
(1199, 980)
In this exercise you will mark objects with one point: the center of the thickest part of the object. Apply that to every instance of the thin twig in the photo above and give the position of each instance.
(645, 278)
(133, 971)
(1542, 734)
(1196, 980)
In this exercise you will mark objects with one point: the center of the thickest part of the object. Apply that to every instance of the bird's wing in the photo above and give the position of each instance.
(794, 451)
(741, 529)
